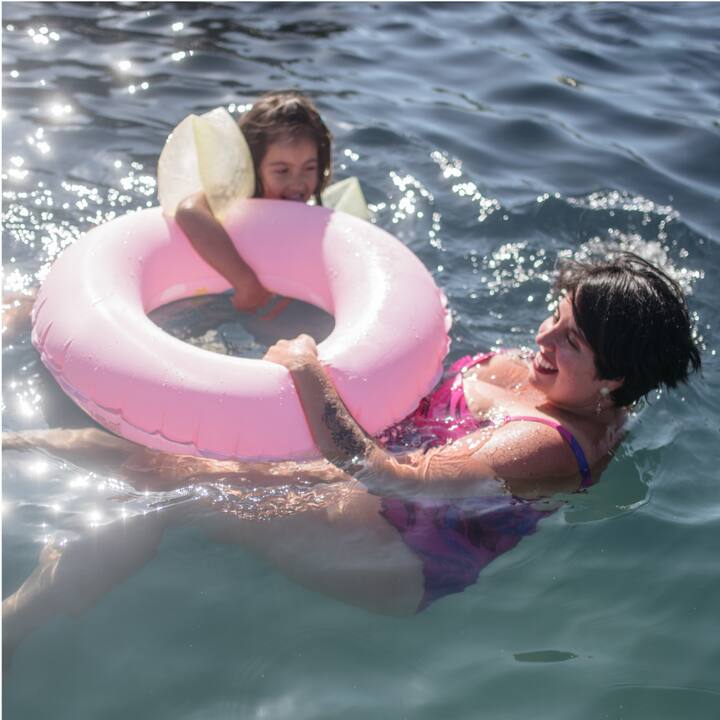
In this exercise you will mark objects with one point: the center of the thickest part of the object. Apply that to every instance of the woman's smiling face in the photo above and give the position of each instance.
(564, 368)
(289, 170)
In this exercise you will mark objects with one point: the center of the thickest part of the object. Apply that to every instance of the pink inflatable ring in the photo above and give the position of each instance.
(91, 328)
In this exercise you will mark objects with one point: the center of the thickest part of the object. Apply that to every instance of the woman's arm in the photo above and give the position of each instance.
(528, 459)
(212, 243)
(344, 443)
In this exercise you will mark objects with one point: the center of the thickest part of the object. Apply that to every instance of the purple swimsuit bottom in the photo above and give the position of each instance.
(456, 539)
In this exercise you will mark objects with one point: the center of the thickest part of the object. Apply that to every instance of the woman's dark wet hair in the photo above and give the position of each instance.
(279, 116)
(636, 320)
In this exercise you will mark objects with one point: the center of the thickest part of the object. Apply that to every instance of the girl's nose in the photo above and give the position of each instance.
(295, 182)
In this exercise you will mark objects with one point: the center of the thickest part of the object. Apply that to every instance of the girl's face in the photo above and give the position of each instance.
(564, 366)
(289, 170)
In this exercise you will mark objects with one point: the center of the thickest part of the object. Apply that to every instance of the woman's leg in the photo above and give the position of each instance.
(16, 309)
(82, 446)
(72, 577)
(147, 469)
(330, 539)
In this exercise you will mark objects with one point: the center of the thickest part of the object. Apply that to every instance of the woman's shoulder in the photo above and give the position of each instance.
(564, 452)
(503, 368)
(527, 447)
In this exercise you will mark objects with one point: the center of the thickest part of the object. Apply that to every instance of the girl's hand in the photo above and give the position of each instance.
(251, 296)
(209, 239)
(297, 354)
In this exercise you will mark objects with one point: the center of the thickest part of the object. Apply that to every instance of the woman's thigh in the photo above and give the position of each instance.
(333, 540)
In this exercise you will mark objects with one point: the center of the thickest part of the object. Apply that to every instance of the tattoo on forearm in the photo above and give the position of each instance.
(347, 439)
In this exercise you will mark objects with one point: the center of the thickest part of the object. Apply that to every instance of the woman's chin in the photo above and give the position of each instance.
(535, 379)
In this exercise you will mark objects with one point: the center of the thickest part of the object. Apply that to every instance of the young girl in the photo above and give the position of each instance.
(291, 150)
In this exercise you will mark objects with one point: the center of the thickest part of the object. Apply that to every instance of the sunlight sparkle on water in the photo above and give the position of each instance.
(16, 174)
(38, 467)
(407, 205)
(139, 183)
(37, 217)
(38, 141)
(94, 518)
(510, 266)
(26, 221)
(435, 240)
(452, 169)
(623, 201)
(59, 110)
(17, 161)
(24, 407)
(233, 107)
(43, 35)
(654, 251)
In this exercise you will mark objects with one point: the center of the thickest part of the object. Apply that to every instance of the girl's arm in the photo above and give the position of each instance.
(212, 243)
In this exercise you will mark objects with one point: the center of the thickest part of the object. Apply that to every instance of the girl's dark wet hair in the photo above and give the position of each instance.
(635, 318)
(281, 116)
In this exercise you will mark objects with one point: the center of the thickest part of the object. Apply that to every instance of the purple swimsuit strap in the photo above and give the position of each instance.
(568, 437)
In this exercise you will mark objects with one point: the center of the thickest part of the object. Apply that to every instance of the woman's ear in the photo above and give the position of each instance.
(608, 387)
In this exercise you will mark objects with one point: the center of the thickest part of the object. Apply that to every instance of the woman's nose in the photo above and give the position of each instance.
(545, 333)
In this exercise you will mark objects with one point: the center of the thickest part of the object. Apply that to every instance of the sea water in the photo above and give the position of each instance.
(491, 139)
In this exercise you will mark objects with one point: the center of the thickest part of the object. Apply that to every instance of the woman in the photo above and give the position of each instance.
(620, 329)
(394, 523)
